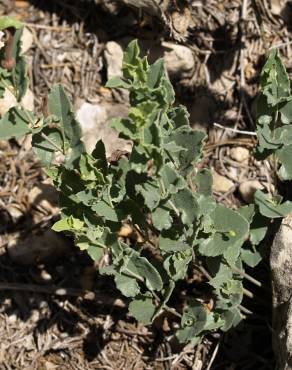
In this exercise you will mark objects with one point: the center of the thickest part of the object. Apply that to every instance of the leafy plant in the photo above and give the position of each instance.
(274, 115)
(157, 191)
(274, 131)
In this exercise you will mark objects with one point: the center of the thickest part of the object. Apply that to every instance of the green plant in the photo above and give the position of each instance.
(274, 115)
(274, 131)
(157, 190)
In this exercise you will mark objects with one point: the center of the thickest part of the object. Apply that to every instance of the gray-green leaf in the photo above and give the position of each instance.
(270, 207)
(143, 309)
(13, 124)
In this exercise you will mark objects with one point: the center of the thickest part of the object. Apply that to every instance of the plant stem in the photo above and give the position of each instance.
(52, 143)
(246, 292)
(246, 276)
(42, 134)
(250, 133)
(173, 311)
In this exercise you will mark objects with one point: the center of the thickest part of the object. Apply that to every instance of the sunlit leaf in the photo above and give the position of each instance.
(271, 207)
(7, 22)
(13, 124)
(143, 309)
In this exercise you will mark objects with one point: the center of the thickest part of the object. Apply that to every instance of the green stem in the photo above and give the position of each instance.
(171, 158)
(245, 275)
(42, 134)
(52, 143)
(133, 275)
(109, 197)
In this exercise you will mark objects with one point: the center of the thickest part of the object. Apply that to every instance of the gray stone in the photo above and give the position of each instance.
(26, 40)
(239, 154)
(113, 54)
(221, 184)
(93, 119)
(248, 188)
(9, 100)
(179, 60)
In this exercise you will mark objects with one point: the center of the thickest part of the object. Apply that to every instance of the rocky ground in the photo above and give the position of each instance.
(214, 51)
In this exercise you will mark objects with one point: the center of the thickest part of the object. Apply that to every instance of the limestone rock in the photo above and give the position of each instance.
(248, 188)
(8, 101)
(239, 154)
(2, 37)
(179, 60)
(221, 184)
(113, 54)
(281, 269)
(277, 6)
(93, 119)
(26, 40)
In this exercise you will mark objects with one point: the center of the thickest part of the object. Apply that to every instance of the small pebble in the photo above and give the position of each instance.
(221, 184)
(239, 154)
(248, 188)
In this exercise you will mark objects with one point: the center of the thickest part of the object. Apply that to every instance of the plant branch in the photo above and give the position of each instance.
(246, 276)
(235, 130)
(52, 143)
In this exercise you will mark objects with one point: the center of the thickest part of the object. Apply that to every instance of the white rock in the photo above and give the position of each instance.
(90, 117)
(26, 40)
(179, 60)
(113, 54)
(40, 275)
(35, 315)
(93, 121)
(37, 248)
(28, 100)
(50, 365)
(2, 38)
(248, 188)
(12, 318)
(239, 154)
(8, 101)
(277, 6)
(221, 184)
(3, 352)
